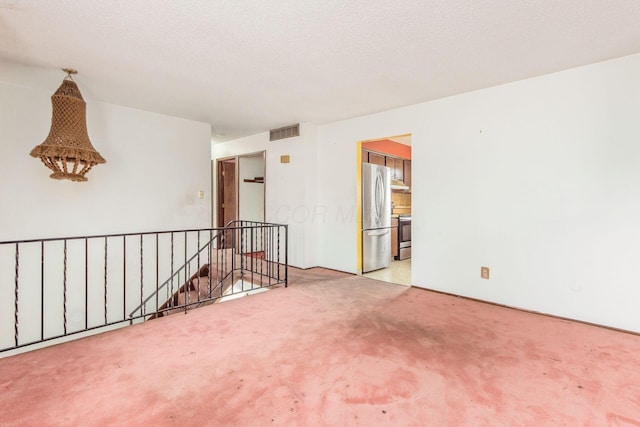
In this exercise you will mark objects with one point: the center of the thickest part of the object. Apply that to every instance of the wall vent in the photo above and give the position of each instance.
(285, 132)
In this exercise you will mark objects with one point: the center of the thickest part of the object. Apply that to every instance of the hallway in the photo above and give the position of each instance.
(333, 349)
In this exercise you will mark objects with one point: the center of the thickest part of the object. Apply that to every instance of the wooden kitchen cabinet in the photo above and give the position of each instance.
(407, 172)
(394, 238)
(397, 167)
(376, 159)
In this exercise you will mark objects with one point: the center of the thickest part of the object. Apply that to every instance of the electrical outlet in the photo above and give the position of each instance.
(484, 272)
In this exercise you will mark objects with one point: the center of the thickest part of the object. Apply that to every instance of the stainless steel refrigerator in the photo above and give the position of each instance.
(376, 217)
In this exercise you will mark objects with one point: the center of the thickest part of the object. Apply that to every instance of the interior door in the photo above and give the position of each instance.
(227, 197)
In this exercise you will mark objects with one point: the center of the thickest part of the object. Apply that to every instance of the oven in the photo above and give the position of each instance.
(404, 237)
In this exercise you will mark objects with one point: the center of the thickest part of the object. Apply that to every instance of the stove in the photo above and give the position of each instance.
(404, 237)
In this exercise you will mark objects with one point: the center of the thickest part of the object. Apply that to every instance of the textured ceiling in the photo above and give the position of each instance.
(247, 66)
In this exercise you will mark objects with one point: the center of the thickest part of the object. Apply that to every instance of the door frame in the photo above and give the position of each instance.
(359, 257)
(216, 213)
(216, 189)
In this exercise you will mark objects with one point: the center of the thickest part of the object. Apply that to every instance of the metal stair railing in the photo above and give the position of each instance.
(175, 275)
(242, 238)
(57, 287)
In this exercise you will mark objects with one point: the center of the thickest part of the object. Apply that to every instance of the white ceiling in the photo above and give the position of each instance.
(402, 139)
(247, 66)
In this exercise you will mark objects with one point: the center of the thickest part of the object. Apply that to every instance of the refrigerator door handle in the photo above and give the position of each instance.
(379, 198)
(381, 232)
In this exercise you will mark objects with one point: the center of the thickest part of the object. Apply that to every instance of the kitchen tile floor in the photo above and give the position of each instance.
(398, 272)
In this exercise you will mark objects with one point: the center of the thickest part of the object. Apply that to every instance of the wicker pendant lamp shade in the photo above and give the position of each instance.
(67, 150)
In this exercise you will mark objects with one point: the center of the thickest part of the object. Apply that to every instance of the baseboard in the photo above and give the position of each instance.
(584, 322)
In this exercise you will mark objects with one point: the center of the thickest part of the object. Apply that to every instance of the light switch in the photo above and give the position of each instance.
(285, 159)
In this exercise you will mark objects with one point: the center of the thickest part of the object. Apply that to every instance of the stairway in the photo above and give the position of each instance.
(198, 292)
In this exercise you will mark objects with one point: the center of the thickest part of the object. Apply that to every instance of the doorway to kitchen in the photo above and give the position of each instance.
(388, 241)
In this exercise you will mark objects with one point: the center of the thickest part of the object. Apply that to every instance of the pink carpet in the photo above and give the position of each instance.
(333, 350)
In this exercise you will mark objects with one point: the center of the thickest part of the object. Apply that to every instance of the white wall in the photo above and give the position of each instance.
(155, 167)
(538, 179)
(290, 187)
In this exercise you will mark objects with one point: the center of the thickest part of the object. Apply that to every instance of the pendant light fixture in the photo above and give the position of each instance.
(67, 150)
